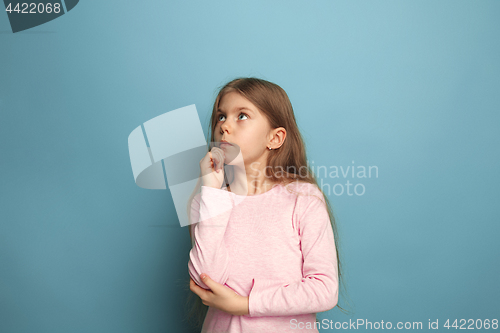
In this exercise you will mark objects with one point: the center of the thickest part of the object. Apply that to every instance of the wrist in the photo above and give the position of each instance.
(246, 309)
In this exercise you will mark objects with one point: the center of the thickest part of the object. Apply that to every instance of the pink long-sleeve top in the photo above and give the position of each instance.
(277, 248)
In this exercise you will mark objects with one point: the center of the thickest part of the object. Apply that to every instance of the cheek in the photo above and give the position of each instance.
(250, 150)
(216, 132)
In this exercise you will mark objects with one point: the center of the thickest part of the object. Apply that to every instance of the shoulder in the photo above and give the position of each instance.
(305, 191)
(311, 211)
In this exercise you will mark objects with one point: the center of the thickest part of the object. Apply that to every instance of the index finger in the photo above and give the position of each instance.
(219, 153)
(202, 293)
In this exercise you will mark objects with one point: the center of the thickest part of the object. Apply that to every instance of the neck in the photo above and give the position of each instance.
(249, 182)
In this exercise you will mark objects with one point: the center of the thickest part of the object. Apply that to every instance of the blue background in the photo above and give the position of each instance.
(408, 86)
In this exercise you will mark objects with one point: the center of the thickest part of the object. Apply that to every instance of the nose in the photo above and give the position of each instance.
(225, 127)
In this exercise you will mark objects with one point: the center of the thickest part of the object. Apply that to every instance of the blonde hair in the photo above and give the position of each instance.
(274, 104)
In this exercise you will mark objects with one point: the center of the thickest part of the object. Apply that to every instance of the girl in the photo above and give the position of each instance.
(264, 257)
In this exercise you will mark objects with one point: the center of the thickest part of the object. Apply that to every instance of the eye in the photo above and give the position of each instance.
(221, 115)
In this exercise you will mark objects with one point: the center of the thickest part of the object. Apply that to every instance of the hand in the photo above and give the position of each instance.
(212, 168)
(220, 297)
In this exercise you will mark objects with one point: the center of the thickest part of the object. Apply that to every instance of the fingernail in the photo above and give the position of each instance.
(202, 275)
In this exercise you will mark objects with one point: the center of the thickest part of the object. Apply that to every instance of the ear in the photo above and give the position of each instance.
(278, 137)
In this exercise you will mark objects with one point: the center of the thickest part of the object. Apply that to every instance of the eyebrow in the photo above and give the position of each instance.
(238, 109)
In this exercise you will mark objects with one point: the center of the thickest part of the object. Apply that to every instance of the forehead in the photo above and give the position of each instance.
(233, 102)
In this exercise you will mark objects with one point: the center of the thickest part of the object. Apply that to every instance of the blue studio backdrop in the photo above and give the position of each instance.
(408, 88)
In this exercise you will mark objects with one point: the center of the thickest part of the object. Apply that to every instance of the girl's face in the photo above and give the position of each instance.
(239, 122)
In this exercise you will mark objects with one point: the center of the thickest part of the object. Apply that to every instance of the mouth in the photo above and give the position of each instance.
(224, 144)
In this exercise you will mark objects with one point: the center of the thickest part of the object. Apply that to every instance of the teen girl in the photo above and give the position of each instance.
(264, 256)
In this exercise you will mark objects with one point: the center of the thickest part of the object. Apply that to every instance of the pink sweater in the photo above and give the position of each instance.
(276, 247)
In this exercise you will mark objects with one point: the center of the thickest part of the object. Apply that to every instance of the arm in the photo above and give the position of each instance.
(318, 289)
(209, 217)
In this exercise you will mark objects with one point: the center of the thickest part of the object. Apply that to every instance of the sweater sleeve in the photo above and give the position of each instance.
(317, 291)
(208, 221)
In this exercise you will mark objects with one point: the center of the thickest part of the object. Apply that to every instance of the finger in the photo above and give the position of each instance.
(210, 159)
(209, 282)
(222, 157)
(214, 159)
(202, 293)
(219, 157)
(217, 162)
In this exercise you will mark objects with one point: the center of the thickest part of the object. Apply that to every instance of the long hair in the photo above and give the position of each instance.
(290, 158)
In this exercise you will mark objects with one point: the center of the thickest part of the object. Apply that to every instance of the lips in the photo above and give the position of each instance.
(224, 144)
